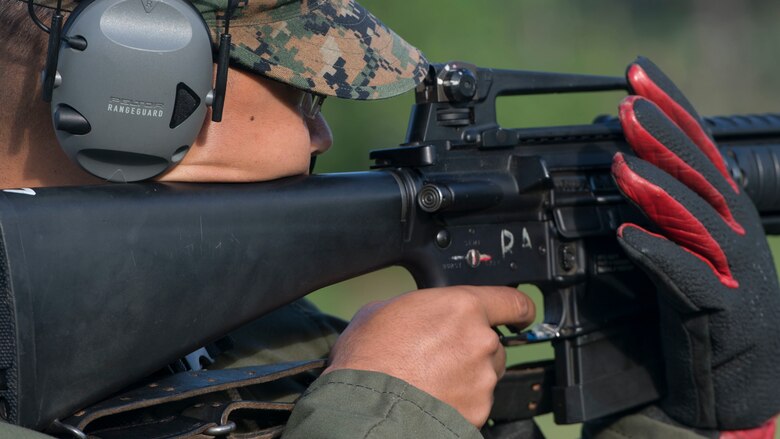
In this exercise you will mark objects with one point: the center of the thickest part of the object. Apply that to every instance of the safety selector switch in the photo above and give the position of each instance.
(473, 258)
(67, 119)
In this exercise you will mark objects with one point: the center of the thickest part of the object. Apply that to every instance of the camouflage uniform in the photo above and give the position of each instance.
(334, 48)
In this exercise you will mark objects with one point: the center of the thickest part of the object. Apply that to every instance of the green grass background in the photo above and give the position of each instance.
(723, 55)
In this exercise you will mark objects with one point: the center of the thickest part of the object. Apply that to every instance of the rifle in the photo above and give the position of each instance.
(101, 286)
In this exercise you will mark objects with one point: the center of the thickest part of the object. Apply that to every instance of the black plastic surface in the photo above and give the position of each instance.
(187, 102)
(123, 279)
(66, 118)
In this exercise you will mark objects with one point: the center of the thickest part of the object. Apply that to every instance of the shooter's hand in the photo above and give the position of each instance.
(439, 340)
(708, 255)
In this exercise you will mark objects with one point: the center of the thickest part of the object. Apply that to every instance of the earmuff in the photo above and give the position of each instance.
(129, 82)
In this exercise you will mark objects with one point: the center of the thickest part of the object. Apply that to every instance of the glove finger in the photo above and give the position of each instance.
(672, 268)
(682, 215)
(646, 79)
(658, 140)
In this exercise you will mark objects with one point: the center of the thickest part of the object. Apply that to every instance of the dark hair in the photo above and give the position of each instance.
(22, 56)
(20, 40)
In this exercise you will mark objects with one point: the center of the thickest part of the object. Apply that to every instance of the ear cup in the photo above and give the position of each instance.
(129, 105)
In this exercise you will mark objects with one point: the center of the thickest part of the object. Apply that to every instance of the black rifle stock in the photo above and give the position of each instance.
(100, 286)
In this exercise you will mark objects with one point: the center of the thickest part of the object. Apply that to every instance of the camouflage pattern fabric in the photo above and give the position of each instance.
(329, 47)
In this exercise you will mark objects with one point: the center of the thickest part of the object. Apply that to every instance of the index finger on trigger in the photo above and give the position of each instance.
(505, 305)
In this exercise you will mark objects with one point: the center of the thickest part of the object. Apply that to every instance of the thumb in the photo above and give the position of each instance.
(505, 305)
(367, 310)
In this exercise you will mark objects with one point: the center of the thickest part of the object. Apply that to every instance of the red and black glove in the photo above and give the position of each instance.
(718, 291)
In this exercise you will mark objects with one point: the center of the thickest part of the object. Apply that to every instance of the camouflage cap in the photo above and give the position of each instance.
(330, 47)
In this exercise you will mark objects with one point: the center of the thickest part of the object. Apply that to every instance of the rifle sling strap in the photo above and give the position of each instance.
(201, 404)
(209, 403)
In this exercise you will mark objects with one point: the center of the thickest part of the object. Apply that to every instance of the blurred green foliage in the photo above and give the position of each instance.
(723, 55)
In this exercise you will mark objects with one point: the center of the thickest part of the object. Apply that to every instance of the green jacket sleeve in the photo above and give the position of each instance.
(347, 404)
(13, 431)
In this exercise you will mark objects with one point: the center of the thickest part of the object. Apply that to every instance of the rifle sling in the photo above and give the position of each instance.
(192, 404)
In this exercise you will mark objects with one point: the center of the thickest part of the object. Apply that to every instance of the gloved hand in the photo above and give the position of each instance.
(718, 291)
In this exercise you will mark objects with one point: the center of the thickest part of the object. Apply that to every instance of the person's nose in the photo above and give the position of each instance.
(320, 134)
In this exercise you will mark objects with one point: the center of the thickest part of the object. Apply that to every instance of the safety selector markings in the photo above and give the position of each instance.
(526, 239)
(507, 242)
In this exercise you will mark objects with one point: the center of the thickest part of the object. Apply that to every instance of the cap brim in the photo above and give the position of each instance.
(334, 48)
